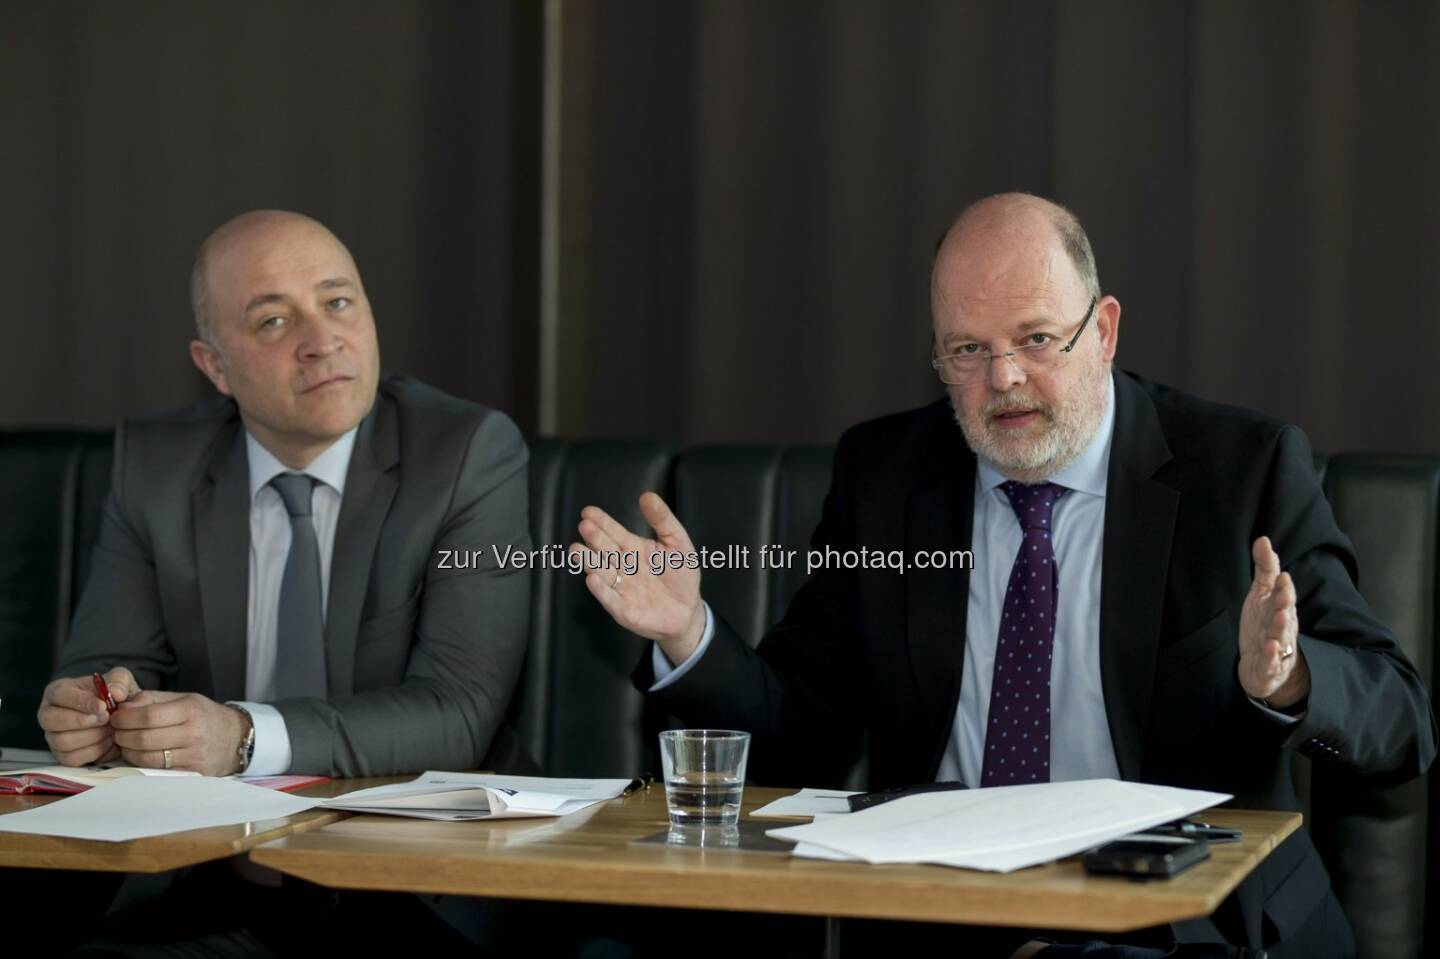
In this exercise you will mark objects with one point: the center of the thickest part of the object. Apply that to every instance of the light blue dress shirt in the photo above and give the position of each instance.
(269, 548)
(1080, 745)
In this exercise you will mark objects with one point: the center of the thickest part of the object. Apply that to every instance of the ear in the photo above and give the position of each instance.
(1107, 324)
(207, 360)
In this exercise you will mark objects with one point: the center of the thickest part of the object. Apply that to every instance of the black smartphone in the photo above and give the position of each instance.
(1146, 858)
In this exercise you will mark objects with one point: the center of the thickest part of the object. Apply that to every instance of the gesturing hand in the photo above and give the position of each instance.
(664, 607)
(75, 721)
(1272, 667)
(200, 733)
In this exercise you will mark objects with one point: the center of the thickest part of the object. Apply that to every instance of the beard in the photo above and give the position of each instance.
(1037, 452)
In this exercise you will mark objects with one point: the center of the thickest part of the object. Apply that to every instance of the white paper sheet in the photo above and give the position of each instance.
(140, 806)
(1002, 828)
(807, 802)
(456, 797)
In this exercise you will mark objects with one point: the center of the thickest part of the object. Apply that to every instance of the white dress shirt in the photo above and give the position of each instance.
(269, 548)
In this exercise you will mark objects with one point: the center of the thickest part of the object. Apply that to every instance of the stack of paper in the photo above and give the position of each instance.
(136, 806)
(999, 829)
(463, 796)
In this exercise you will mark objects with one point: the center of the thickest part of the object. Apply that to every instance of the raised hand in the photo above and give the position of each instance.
(1272, 667)
(664, 607)
(77, 723)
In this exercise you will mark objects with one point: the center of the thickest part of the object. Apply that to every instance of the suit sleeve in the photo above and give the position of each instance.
(119, 621)
(1368, 710)
(468, 644)
(799, 694)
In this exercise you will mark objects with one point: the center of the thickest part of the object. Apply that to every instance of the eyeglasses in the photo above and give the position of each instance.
(972, 362)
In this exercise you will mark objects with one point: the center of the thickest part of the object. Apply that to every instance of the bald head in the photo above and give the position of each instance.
(1021, 222)
(247, 233)
(286, 331)
(1012, 294)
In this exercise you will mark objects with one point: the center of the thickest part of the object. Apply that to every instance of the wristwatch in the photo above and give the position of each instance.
(246, 750)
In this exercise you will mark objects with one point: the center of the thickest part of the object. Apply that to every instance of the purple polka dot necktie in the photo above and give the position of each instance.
(1017, 734)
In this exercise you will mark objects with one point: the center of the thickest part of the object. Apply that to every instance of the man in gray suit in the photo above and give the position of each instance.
(266, 594)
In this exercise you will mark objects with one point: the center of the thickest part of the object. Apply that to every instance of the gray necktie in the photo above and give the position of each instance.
(300, 628)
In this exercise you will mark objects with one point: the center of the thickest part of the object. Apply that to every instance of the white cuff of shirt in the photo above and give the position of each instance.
(665, 674)
(1285, 719)
(272, 742)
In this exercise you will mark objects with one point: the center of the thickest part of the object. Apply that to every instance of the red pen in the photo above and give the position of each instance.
(103, 691)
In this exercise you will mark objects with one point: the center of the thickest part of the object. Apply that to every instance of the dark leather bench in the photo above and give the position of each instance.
(576, 708)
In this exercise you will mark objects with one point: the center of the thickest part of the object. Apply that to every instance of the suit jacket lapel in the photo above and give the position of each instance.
(939, 515)
(1139, 524)
(370, 485)
(221, 511)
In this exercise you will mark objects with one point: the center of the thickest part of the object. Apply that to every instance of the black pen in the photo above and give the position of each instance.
(1198, 830)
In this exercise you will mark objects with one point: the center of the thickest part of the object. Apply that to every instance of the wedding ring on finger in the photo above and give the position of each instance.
(616, 584)
(166, 753)
(1287, 652)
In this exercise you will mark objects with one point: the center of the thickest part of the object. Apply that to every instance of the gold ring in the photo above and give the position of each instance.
(167, 757)
(1287, 652)
(616, 585)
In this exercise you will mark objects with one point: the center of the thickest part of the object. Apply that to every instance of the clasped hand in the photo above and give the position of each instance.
(201, 734)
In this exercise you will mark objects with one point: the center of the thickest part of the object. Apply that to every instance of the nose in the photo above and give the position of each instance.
(319, 339)
(1005, 373)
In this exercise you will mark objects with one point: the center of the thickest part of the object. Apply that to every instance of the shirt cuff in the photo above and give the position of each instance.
(272, 742)
(666, 674)
(1284, 719)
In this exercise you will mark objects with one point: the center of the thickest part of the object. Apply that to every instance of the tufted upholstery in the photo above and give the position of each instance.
(575, 707)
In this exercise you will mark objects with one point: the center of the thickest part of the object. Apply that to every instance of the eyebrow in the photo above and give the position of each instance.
(1029, 325)
(264, 299)
(1021, 330)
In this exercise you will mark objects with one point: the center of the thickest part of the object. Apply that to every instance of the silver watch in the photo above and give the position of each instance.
(246, 750)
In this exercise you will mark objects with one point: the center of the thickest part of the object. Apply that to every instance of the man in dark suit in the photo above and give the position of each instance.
(267, 593)
(1160, 592)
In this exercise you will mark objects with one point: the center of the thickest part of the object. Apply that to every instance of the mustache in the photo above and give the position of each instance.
(1009, 402)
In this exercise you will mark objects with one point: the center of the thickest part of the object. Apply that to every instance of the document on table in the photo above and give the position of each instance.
(457, 797)
(807, 802)
(139, 806)
(74, 779)
(998, 829)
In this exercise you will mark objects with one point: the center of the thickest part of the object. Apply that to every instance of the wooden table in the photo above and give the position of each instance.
(159, 853)
(590, 857)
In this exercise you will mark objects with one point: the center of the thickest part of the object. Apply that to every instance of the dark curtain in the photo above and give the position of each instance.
(770, 178)
(762, 188)
(131, 129)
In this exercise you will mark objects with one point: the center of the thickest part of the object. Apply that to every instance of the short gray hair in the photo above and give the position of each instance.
(1077, 246)
(200, 296)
